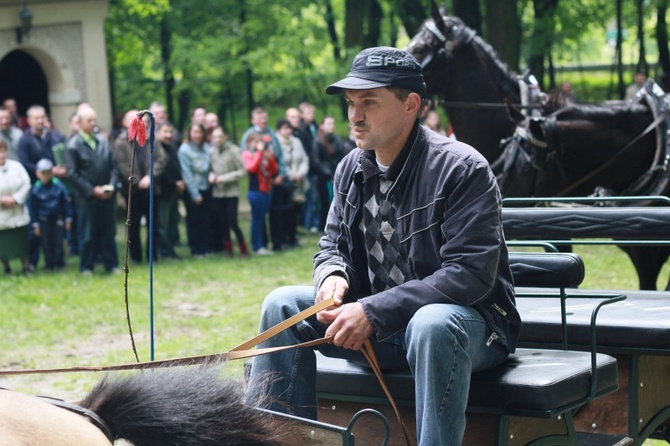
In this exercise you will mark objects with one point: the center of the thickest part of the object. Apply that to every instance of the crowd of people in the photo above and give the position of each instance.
(62, 194)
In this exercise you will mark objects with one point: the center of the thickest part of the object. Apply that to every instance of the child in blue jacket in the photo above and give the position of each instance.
(50, 214)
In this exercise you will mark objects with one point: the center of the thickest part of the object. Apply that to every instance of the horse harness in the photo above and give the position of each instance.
(79, 410)
(652, 182)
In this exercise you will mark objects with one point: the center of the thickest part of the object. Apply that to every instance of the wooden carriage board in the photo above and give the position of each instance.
(482, 429)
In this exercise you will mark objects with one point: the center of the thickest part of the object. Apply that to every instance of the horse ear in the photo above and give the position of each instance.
(514, 113)
(437, 13)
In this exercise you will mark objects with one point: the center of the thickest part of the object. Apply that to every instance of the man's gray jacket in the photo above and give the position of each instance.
(449, 225)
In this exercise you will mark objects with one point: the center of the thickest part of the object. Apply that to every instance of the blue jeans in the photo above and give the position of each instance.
(442, 346)
(311, 210)
(53, 234)
(260, 205)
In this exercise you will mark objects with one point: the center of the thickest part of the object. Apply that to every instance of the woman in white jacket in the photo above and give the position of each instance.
(14, 216)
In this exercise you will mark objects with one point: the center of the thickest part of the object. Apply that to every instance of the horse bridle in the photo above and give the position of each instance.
(444, 49)
(84, 412)
(515, 147)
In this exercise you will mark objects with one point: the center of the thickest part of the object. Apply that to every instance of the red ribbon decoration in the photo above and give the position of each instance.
(138, 130)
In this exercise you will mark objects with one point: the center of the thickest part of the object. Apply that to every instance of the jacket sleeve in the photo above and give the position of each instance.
(303, 165)
(65, 204)
(186, 172)
(32, 207)
(318, 164)
(160, 160)
(252, 161)
(279, 156)
(273, 167)
(122, 152)
(23, 153)
(113, 168)
(334, 254)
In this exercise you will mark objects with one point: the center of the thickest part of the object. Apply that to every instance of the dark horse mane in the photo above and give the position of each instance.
(193, 407)
(494, 60)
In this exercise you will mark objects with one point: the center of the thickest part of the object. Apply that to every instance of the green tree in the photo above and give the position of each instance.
(230, 55)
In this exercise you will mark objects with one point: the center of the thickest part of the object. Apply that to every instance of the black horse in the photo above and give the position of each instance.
(161, 407)
(472, 82)
(610, 149)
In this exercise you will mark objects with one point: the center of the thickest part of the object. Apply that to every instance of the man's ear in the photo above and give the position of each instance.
(413, 102)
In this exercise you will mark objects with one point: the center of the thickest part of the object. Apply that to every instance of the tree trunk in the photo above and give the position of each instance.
(470, 13)
(353, 22)
(184, 101)
(248, 72)
(662, 43)
(619, 46)
(552, 72)
(111, 72)
(541, 41)
(166, 55)
(504, 30)
(375, 17)
(332, 31)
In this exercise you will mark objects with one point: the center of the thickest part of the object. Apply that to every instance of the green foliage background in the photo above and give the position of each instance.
(229, 55)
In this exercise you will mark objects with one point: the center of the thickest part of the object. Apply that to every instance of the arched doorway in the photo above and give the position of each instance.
(23, 79)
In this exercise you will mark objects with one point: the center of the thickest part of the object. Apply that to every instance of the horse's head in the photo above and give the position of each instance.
(526, 159)
(432, 46)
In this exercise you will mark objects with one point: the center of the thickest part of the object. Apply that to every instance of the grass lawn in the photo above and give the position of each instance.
(201, 306)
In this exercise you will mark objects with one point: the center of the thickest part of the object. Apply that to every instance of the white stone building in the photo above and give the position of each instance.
(59, 60)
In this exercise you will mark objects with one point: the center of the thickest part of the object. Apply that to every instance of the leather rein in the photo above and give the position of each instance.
(244, 350)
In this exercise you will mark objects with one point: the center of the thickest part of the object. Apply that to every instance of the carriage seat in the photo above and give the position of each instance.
(534, 383)
(639, 324)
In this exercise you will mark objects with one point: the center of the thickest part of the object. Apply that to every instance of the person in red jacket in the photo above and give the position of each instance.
(260, 162)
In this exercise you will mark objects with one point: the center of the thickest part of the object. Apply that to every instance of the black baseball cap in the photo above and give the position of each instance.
(382, 66)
